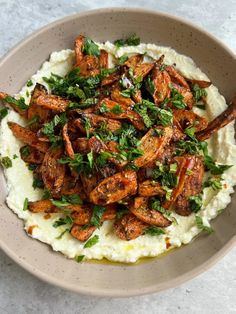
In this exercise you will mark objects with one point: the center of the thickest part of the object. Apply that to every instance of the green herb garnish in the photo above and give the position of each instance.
(79, 258)
(195, 202)
(133, 40)
(3, 113)
(154, 231)
(91, 242)
(201, 226)
(26, 204)
(6, 162)
(63, 221)
(90, 48)
(98, 211)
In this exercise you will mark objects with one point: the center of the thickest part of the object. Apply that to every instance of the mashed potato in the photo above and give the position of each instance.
(19, 178)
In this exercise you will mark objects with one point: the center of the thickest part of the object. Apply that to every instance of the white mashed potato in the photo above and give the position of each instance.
(19, 178)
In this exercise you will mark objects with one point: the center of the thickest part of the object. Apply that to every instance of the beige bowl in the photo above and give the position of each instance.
(107, 279)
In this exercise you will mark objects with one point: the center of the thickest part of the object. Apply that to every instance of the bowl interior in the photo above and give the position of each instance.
(104, 279)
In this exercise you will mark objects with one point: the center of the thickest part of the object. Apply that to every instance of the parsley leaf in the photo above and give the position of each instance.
(3, 113)
(6, 162)
(195, 202)
(26, 204)
(154, 231)
(49, 127)
(177, 99)
(201, 226)
(29, 83)
(91, 242)
(98, 211)
(37, 183)
(67, 200)
(122, 59)
(90, 48)
(133, 40)
(79, 258)
(215, 183)
(63, 221)
(198, 92)
(117, 109)
(62, 234)
(20, 103)
(190, 131)
(103, 108)
(215, 169)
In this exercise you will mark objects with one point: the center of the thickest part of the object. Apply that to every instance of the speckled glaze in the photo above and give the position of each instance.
(107, 279)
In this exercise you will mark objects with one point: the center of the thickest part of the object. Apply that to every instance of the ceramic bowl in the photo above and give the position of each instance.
(215, 59)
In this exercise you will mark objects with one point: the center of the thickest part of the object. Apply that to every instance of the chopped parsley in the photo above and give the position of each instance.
(90, 48)
(190, 131)
(201, 226)
(25, 151)
(6, 162)
(213, 167)
(154, 231)
(20, 103)
(198, 92)
(62, 234)
(90, 159)
(195, 202)
(149, 85)
(213, 182)
(26, 204)
(122, 60)
(67, 200)
(67, 220)
(133, 40)
(37, 183)
(91, 242)
(103, 108)
(49, 127)
(3, 113)
(177, 99)
(98, 211)
(117, 109)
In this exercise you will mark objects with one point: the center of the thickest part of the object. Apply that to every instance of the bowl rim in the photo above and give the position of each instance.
(117, 292)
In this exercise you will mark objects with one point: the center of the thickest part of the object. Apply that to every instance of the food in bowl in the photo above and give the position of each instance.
(117, 151)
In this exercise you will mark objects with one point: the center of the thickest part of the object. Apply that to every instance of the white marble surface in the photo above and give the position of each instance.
(211, 292)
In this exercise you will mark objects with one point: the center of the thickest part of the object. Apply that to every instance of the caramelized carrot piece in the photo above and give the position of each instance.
(117, 97)
(67, 142)
(129, 227)
(82, 233)
(153, 146)
(52, 102)
(52, 171)
(219, 122)
(79, 42)
(150, 216)
(142, 70)
(161, 81)
(133, 61)
(115, 188)
(103, 59)
(187, 118)
(150, 188)
(176, 77)
(28, 137)
(43, 206)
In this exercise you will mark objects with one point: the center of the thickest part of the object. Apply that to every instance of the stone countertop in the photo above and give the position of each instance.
(212, 292)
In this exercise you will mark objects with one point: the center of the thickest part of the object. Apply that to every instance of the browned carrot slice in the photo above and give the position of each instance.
(67, 142)
(161, 81)
(82, 233)
(115, 188)
(153, 146)
(188, 118)
(200, 83)
(192, 186)
(142, 70)
(37, 111)
(219, 122)
(129, 227)
(52, 171)
(117, 97)
(52, 102)
(79, 42)
(33, 155)
(28, 137)
(176, 77)
(103, 59)
(125, 113)
(153, 217)
(134, 60)
(150, 188)
(43, 206)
